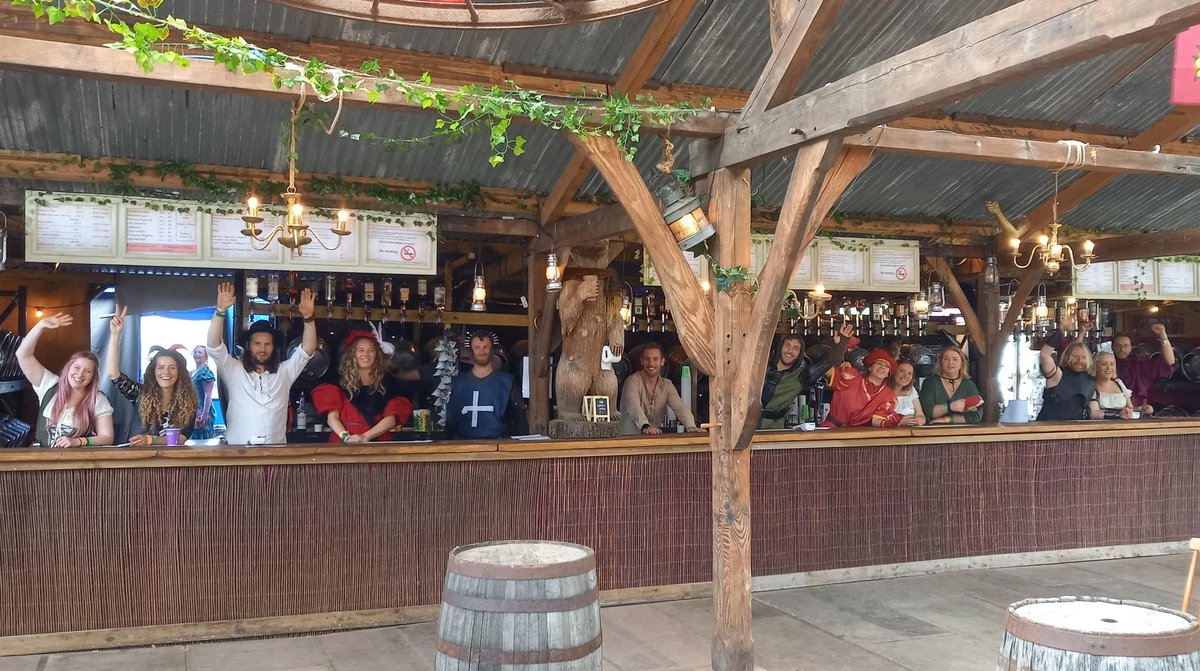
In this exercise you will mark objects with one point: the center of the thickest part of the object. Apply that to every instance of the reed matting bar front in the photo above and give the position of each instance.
(91, 543)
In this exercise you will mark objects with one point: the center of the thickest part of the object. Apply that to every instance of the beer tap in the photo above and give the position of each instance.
(273, 293)
(251, 294)
(651, 310)
(386, 299)
(330, 296)
(422, 292)
(348, 286)
(368, 298)
(439, 301)
(404, 291)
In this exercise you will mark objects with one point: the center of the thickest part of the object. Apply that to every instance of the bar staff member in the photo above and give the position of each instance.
(646, 395)
(363, 406)
(1141, 374)
(257, 383)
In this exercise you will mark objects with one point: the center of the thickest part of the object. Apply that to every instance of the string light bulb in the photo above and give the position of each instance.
(38, 312)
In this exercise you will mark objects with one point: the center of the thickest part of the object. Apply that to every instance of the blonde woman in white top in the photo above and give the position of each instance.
(1112, 398)
(908, 402)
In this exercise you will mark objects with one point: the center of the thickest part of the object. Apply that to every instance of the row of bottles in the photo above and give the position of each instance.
(380, 297)
(1093, 321)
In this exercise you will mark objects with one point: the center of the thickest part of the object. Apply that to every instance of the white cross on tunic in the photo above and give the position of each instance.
(475, 409)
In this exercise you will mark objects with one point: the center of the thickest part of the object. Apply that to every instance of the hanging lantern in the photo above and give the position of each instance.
(478, 295)
(937, 297)
(991, 274)
(920, 306)
(553, 274)
(626, 309)
(684, 216)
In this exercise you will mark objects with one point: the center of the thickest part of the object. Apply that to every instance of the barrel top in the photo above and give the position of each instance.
(523, 553)
(1101, 617)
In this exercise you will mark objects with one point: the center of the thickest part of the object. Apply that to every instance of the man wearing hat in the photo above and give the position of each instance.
(258, 384)
(864, 401)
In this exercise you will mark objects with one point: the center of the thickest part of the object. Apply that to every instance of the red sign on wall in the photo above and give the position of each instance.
(1185, 75)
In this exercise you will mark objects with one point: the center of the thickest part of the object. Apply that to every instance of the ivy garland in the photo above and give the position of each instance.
(460, 112)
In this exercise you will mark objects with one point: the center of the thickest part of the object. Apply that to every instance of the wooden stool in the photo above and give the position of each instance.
(1194, 544)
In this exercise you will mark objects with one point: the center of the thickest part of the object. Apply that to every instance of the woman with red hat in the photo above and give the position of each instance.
(361, 407)
(864, 400)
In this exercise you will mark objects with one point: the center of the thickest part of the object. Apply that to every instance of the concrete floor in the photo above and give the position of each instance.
(950, 621)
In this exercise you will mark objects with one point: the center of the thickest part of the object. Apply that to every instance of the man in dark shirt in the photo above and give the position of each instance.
(482, 399)
(791, 375)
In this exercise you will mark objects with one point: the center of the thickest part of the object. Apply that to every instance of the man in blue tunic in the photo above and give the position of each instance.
(480, 397)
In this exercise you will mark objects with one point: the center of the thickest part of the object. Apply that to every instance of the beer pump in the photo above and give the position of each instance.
(251, 294)
(368, 298)
(386, 299)
(404, 296)
(330, 295)
(439, 302)
(422, 292)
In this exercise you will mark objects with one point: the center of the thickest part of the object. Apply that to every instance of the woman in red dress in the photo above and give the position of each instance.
(361, 407)
(860, 400)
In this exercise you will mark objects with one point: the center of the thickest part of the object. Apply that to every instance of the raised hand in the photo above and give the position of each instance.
(1160, 330)
(56, 321)
(118, 321)
(225, 296)
(308, 303)
(846, 330)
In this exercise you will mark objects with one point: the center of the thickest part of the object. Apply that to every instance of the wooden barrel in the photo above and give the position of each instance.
(529, 605)
(1087, 633)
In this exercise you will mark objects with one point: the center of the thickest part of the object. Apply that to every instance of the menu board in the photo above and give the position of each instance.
(803, 277)
(698, 264)
(1098, 280)
(1176, 278)
(159, 232)
(395, 244)
(837, 267)
(313, 252)
(1134, 277)
(226, 242)
(58, 228)
(150, 231)
(895, 265)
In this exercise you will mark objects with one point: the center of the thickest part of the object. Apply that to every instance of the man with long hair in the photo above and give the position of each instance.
(1070, 381)
(258, 384)
(363, 406)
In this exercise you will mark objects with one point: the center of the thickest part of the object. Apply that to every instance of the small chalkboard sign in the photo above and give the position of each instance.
(595, 408)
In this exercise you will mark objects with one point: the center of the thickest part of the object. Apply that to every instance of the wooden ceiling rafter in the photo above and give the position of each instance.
(794, 50)
(668, 20)
(1017, 42)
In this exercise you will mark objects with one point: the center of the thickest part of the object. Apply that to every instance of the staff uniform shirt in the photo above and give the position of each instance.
(65, 426)
(477, 405)
(257, 403)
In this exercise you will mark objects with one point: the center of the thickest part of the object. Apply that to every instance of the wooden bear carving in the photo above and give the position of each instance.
(591, 318)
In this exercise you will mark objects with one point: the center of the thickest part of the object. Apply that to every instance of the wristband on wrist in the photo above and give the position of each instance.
(220, 313)
(85, 442)
(309, 320)
(345, 435)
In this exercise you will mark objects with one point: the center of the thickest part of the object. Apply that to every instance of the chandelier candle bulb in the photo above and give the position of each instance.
(252, 206)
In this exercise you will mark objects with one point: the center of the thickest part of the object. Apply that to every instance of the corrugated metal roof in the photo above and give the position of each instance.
(723, 43)
(1140, 202)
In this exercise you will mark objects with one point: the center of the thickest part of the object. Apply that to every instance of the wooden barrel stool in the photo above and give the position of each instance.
(529, 605)
(1087, 633)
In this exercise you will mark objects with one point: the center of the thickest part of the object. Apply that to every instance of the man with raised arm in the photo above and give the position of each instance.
(1138, 374)
(258, 384)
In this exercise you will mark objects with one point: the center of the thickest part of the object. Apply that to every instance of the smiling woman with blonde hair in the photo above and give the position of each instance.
(949, 396)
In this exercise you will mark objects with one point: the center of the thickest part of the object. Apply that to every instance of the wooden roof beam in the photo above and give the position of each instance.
(1025, 39)
(1149, 245)
(792, 55)
(646, 56)
(19, 53)
(1024, 152)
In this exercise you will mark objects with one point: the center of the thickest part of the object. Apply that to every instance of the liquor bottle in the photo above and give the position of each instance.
(369, 292)
(301, 414)
(273, 287)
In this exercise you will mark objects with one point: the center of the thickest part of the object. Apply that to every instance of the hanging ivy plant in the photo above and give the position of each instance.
(460, 111)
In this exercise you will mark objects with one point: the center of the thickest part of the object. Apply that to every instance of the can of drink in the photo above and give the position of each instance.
(421, 420)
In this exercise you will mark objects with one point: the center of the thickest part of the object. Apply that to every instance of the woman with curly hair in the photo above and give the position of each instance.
(165, 398)
(362, 407)
(73, 411)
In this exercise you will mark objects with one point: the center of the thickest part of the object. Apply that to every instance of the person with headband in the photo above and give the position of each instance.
(949, 396)
(860, 400)
(74, 413)
(165, 398)
(363, 406)
(258, 384)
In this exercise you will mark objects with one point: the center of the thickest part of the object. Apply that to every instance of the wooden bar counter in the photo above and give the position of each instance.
(106, 547)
